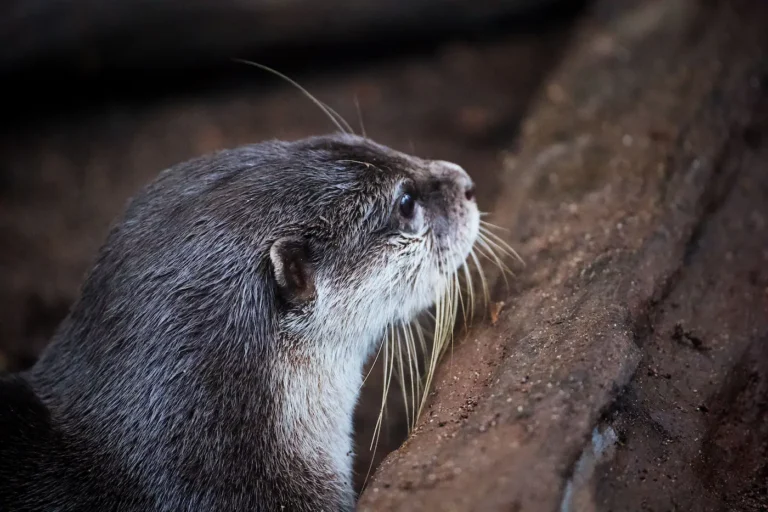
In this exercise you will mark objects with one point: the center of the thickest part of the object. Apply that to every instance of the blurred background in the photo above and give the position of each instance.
(101, 96)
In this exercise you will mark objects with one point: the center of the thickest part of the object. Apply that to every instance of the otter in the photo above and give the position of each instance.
(215, 354)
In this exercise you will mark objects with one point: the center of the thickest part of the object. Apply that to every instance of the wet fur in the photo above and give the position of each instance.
(183, 379)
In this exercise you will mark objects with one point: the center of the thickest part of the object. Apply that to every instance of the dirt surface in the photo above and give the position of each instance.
(627, 368)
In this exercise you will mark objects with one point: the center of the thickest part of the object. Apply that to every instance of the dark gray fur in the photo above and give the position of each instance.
(157, 390)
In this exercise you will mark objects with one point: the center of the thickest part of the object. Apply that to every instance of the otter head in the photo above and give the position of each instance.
(328, 239)
(375, 238)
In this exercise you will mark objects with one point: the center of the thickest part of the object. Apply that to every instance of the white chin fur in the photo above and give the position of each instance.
(434, 283)
(466, 236)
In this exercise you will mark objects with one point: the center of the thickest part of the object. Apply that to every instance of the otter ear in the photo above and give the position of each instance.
(293, 269)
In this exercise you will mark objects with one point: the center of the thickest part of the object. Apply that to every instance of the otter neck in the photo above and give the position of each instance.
(316, 398)
(221, 405)
(319, 374)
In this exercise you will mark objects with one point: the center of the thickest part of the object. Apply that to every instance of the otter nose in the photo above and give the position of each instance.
(456, 174)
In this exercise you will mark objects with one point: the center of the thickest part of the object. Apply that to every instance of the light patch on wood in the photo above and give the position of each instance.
(495, 309)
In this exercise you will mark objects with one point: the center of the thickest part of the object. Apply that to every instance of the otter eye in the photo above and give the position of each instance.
(407, 205)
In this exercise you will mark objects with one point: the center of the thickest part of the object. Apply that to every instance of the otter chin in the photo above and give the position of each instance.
(215, 354)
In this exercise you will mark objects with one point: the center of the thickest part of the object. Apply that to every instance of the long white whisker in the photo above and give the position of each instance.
(380, 419)
(483, 236)
(488, 253)
(494, 226)
(455, 278)
(422, 341)
(470, 289)
(411, 359)
(388, 370)
(433, 355)
(401, 377)
(503, 244)
(415, 351)
(483, 281)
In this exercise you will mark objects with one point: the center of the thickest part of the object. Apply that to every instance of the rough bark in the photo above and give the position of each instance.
(622, 171)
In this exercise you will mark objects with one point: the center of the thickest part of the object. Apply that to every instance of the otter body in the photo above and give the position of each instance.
(215, 354)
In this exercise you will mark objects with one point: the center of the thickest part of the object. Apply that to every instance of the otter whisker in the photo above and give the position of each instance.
(360, 116)
(496, 238)
(338, 117)
(487, 252)
(372, 366)
(444, 326)
(415, 352)
(401, 377)
(492, 250)
(484, 236)
(417, 362)
(439, 316)
(403, 346)
(493, 226)
(413, 372)
(392, 345)
(433, 354)
(448, 320)
(388, 370)
(446, 309)
(455, 297)
(412, 364)
(452, 304)
(470, 290)
(503, 244)
(428, 334)
(454, 276)
(376, 428)
(325, 108)
(483, 281)
(422, 341)
(465, 279)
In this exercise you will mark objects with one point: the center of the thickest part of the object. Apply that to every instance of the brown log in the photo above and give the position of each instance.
(638, 171)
